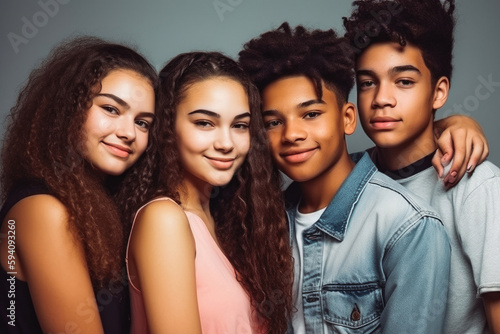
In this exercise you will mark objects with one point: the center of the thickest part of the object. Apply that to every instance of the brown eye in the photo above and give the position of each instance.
(272, 124)
(312, 114)
(110, 109)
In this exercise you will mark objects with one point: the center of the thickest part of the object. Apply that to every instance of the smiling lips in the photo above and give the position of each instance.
(298, 156)
(221, 163)
(118, 150)
(384, 123)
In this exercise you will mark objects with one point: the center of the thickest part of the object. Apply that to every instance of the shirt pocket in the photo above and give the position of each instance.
(352, 308)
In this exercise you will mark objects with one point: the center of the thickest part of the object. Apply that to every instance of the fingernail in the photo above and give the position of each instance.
(469, 168)
(453, 176)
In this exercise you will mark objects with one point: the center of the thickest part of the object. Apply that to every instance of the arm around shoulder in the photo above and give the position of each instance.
(162, 255)
(52, 261)
(461, 139)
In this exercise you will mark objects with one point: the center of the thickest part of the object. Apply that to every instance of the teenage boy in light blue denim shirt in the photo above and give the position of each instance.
(403, 76)
(369, 256)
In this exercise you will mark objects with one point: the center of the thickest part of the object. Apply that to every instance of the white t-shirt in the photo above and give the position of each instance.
(302, 222)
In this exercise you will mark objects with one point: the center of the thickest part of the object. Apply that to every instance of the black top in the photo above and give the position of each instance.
(404, 172)
(112, 300)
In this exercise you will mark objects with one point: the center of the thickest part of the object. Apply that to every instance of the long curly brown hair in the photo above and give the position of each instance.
(45, 141)
(249, 211)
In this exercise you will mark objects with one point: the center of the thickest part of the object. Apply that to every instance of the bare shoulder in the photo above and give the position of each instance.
(37, 208)
(162, 208)
(161, 213)
(160, 220)
(46, 247)
(39, 217)
(41, 228)
(161, 238)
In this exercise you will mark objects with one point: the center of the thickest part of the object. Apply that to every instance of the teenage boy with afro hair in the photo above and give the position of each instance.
(403, 71)
(369, 256)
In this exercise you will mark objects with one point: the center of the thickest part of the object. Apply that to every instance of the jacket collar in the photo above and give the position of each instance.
(335, 218)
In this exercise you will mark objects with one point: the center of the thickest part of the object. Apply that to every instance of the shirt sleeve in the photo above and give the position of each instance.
(478, 228)
(417, 267)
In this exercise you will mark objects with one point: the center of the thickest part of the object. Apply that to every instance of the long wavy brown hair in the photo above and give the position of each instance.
(45, 141)
(249, 212)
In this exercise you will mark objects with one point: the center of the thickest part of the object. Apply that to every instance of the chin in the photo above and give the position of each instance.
(382, 142)
(111, 171)
(220, 183)
(298, 177)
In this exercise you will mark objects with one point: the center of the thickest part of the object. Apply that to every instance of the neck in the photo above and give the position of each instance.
(394, 158)
(318, 192)
(195, 195)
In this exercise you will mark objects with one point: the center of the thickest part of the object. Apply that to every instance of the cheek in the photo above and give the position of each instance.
(363, 114)
(274, 138)
(244, 144)
(142, 140)
(192, 141)
(97, 123)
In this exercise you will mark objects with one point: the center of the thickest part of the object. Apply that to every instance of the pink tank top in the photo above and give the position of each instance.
(224, 306)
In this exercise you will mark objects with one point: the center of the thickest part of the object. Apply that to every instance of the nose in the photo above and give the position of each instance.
(224, 142)
(384, 97)
(293, 131)
(126, 129)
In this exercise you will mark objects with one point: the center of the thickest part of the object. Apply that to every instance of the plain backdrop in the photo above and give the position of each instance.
(29, 29)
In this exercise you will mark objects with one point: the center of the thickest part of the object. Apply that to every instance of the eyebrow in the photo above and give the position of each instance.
(146, 114)
(270, 112)
(310, 103)
(273, 112)
(240, 116)
(116, 99)
(405, 68)
(216, 115)
(205, 112)
(394, 70)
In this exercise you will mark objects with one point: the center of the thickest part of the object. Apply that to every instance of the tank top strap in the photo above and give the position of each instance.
(132, 228)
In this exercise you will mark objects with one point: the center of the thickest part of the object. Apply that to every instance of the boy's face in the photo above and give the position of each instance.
(306, 133)
(395, 96)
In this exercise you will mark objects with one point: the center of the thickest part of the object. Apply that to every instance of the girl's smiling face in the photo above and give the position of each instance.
(118, 122)
(212, 127)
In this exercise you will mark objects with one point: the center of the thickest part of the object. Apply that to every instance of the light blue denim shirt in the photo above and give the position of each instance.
(376, 261)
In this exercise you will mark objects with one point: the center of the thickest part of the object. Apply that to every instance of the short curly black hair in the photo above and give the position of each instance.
(426, 24)
(316, 54)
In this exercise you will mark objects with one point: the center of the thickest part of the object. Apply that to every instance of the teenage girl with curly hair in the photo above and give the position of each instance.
(79, 124)
(210, 253)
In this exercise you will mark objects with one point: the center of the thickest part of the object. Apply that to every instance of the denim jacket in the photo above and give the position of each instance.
(376, 261)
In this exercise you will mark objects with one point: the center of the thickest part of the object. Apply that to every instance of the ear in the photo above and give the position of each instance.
(441, 91)
(350, 118)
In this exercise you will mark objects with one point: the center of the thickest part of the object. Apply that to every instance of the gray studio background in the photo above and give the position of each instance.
(162, 29)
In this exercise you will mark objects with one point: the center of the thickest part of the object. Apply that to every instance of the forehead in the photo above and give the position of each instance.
(215, 94)
(293, 92)
(387, 55)
(129, 86)
(125, 79)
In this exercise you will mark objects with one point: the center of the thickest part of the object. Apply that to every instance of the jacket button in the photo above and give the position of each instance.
(313, 236)
(355, 314)
(312, 299)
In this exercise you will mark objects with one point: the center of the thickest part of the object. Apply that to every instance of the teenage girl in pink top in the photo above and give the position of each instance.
(210, 252)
